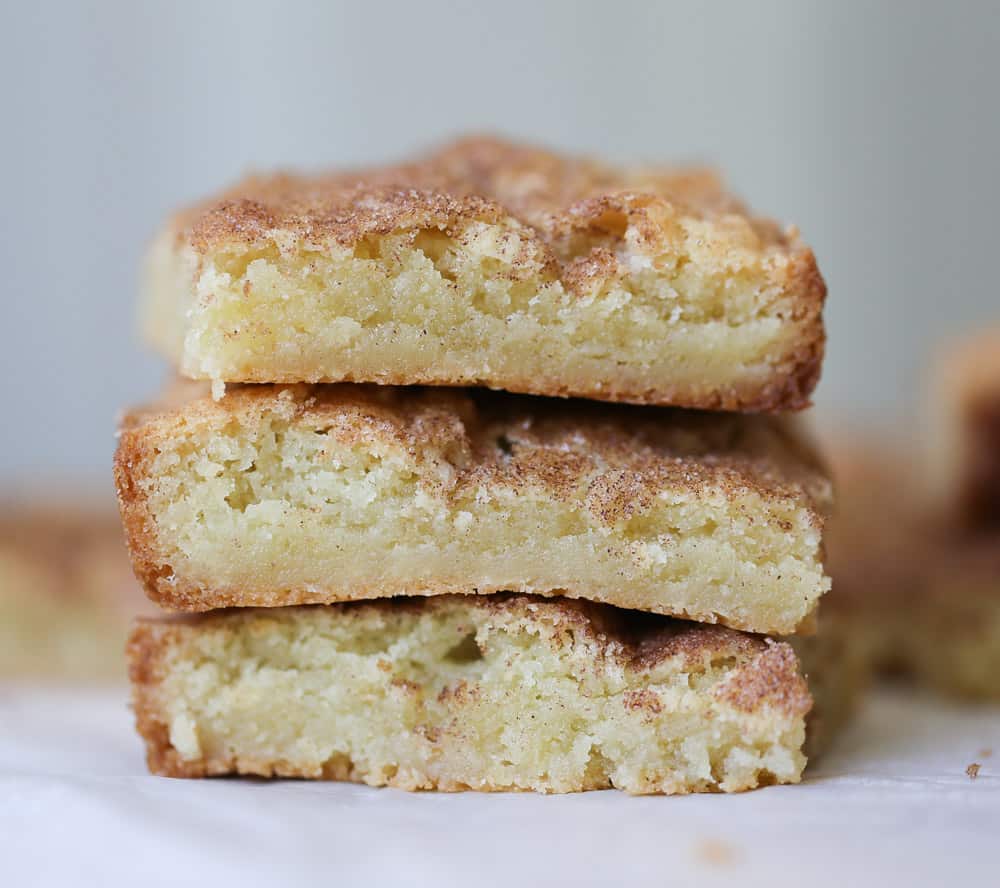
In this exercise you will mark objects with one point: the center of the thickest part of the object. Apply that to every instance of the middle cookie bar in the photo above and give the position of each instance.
(280, 495)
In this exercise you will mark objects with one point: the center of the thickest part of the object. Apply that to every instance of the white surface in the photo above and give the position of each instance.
(891, 804)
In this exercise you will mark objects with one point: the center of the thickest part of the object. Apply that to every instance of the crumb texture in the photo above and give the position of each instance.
(488, 263)
(457, 693)
(308, 495)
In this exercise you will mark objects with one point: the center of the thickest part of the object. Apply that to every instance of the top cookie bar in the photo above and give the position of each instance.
(489, 263)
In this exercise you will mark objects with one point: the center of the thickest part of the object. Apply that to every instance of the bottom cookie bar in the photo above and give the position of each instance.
(501, 692)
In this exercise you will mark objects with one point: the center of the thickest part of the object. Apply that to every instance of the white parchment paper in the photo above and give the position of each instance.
(891, 804)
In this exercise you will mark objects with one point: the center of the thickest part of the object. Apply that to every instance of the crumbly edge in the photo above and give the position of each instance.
(133, 466)
(175, 268)
(765, 677)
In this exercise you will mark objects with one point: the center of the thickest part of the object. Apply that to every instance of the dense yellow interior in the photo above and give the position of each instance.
(283, 511)
(422, 306)
(453, 700)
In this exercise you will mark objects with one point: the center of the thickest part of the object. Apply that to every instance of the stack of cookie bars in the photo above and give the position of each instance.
(478, 480)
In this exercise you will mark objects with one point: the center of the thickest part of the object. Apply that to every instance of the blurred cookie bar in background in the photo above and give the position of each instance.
(914, 544)
(66, 587)
(964, 432)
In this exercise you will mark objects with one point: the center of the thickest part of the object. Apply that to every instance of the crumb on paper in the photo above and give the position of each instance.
(716, 852)
(985, 753)
(973, 770)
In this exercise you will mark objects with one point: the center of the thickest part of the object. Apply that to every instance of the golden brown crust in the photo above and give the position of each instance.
(140, 530)
(570, 217)
(627, 456)
(765, 673)
(494, 434)
(472, 180)
(776, 682)
(783, 394)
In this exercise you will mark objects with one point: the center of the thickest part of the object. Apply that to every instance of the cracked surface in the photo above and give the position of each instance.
(455, 692)
(488, 263)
